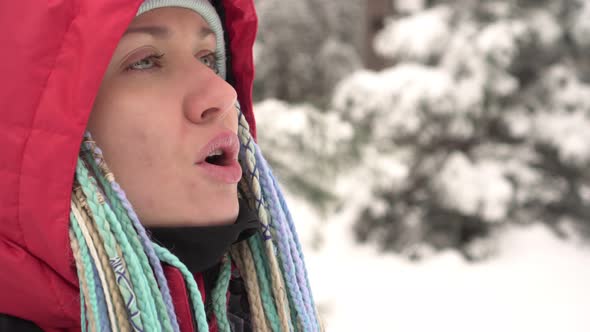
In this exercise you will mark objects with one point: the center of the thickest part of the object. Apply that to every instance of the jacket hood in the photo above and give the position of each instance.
(54, 56)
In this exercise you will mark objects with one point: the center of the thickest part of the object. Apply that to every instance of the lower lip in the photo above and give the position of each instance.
(230, 173)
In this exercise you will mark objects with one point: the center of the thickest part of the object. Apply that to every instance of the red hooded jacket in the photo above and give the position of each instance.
(54, 55)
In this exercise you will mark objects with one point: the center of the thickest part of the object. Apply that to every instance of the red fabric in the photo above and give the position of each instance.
(201, 284)
(241, 20)
(180, 300)
(54, 56)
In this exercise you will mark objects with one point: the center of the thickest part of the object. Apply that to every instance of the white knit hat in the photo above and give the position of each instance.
(209, 14)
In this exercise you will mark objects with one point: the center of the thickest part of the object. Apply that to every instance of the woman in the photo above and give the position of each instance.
(123, 204)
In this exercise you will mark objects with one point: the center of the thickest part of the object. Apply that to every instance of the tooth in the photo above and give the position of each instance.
(217, 152)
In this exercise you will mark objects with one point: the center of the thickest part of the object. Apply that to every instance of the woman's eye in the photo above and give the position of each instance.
(154, 61)
(149, 62)
(210, 60)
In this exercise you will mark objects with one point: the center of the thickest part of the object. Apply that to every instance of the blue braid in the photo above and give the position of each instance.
(105, 323)
(298, 254)
(284, 242)
(284, 237)
(295, 237)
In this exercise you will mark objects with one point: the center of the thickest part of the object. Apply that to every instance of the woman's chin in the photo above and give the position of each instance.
(222, 221)
(216, 215)
(216, 212)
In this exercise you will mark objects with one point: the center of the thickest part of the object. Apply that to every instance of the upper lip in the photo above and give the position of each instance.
(226, 141)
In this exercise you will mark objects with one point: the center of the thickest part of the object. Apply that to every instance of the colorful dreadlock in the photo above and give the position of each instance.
(122, 283)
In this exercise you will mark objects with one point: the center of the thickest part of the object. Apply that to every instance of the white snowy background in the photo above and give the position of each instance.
(477, 125)
(537, 282)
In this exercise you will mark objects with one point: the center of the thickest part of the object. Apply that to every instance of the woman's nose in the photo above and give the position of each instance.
(209, 97)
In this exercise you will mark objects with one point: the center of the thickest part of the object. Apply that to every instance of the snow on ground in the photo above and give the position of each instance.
(537, 283)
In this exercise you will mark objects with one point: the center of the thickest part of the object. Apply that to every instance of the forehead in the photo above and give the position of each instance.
(164, 23)
(172, 16)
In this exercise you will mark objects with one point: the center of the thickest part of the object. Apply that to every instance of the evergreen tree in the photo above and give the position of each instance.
(487, 110)
(307, 147)
(304, 48)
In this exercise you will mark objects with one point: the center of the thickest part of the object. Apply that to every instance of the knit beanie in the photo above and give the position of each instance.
(209, 14)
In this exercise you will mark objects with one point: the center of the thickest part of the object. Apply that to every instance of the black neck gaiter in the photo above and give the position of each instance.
(202, 247)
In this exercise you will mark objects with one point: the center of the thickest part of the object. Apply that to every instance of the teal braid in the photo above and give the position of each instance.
(148, 312)
(138, 278)
(166, 315)
(255, 243)
(219, 296)
(198, 306)
(106, 320)
(87, 270)
(127, 290)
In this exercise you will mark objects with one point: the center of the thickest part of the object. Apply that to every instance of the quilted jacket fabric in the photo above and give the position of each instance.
(54, 54)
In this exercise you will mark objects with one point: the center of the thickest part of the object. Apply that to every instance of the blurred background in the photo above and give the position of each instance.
(436, 158)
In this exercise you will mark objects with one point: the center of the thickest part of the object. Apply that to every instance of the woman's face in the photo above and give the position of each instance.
(159, 108)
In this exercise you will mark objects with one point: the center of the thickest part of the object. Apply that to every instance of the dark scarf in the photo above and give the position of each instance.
(202, 247)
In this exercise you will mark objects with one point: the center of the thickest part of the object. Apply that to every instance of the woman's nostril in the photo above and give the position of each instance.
(209, 113)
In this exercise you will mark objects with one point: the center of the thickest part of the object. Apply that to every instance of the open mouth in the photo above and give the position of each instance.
(217, 157)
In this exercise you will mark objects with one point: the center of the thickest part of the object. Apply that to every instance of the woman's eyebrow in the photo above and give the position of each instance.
(156, 31)
(163, 32)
